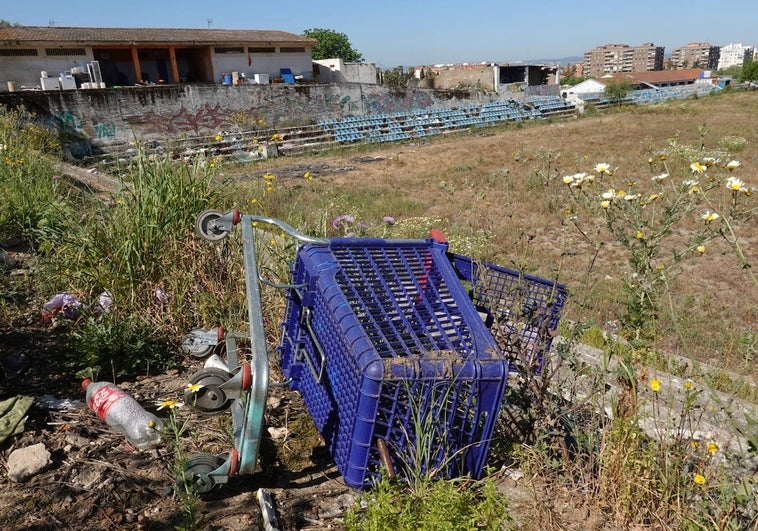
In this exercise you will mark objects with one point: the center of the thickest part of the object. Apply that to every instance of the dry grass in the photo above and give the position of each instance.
(506, 183)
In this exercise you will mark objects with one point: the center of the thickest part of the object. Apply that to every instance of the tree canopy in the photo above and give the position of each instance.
(749, 71)
(617, 90)
(332, 44)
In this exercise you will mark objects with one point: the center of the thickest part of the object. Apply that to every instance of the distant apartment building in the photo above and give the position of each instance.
(734, 55)
(615, 58)
(695, 55)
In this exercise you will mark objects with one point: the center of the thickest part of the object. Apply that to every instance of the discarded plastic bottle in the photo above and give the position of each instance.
(123, 413)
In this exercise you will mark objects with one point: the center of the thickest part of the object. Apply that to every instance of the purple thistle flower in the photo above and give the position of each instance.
(389, 220)
(336, 222)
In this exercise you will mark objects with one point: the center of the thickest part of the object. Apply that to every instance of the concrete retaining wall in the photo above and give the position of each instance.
(97, 119)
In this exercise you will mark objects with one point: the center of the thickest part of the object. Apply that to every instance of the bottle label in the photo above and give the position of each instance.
(103, 399)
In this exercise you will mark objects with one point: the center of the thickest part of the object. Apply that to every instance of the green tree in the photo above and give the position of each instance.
(617, 90)
(332, 44)
(735, 71)
(395, 77)
(749, 71)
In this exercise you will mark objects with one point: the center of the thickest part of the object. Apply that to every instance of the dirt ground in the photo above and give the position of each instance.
(96, 480)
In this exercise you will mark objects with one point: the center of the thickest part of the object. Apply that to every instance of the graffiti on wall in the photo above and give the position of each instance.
(68, 121)
(105, 130)
(207, 118)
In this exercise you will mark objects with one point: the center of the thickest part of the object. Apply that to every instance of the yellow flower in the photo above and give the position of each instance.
(653, 197)
(253, 201)
(276, 137)
(218, 137)
(307, 175)
(605, 204)
(194, 387)
(699, 479)
(688, 385)
(710, 216)
(168, 404)
(655, 384)
(568, 179)
(697, 167)
(701, 250)
(639, 235)
(713, 448)
(269, 177)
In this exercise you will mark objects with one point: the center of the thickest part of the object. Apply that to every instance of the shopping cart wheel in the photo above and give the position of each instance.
(196, 476)
(205, 228)
(209, 398)
(196, 344)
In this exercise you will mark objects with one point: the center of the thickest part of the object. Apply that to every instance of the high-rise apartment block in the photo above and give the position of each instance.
(696, 55)
(615, 58)
(734, 55)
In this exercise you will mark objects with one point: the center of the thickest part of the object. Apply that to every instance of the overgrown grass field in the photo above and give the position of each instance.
(647, 214)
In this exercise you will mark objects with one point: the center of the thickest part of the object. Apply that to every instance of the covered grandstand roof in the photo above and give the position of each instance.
(30, 35)
(656, 77)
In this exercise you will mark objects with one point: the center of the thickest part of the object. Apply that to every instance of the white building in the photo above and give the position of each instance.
(338, 71)
(734, 55)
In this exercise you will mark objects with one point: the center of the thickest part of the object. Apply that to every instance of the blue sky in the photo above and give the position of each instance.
(413, 32)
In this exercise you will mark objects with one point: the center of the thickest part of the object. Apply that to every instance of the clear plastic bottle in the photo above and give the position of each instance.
(123, 413)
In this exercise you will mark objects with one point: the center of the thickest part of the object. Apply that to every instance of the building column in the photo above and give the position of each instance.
(174, 65)
(209, 65)
(135, 63)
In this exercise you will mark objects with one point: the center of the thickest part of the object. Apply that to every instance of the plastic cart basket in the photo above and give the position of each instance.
(384, 344)
(521, 311)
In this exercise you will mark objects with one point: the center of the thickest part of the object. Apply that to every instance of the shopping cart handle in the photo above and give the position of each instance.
(294, 233)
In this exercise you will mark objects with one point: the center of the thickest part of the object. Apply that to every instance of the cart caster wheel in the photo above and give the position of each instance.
(205, 228)
(209, 398)
(195, 344)
(196, 478)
